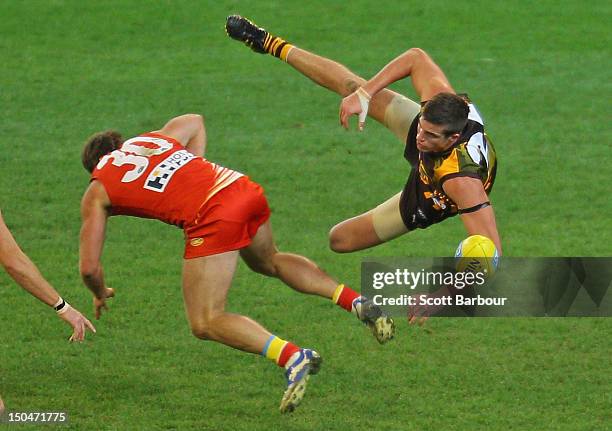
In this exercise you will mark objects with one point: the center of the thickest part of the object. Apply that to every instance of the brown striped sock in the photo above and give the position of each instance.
(277, 46)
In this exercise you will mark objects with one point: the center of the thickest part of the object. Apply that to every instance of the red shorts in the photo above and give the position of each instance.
(228, 221)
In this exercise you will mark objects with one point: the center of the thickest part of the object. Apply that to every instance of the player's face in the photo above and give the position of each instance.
(432, 138)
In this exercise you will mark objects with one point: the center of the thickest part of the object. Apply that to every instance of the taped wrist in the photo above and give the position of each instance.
(364, 101)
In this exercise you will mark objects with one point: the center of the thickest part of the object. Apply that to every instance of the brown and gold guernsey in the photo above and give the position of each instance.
(423, 201)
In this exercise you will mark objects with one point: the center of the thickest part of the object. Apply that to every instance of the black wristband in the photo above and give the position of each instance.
(59, 307)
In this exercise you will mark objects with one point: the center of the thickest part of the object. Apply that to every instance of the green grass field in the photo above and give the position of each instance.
(539, 73)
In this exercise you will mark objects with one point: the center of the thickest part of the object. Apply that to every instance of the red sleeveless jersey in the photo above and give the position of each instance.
(154, 176)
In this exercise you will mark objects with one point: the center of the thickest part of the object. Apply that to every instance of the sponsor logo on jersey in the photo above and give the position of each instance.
(160, 176)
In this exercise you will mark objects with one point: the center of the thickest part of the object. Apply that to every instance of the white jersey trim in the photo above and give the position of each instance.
(474, 115)
(223, 178)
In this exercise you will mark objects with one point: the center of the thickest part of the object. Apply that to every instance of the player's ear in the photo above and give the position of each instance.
(454, 138)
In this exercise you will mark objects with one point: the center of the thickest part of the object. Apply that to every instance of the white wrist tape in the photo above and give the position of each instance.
(364, 101)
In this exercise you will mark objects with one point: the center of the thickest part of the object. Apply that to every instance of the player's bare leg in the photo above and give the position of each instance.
(298, 272)
(206, 282)
(323, 71)
(369, 229)
(356, 233)
(305, 276)
(338, 78)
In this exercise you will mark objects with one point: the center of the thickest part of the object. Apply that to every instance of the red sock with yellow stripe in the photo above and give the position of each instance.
(279, 350)
(344, 297)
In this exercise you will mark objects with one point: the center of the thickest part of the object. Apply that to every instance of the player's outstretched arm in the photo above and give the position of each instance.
(26, 274)
(469, 193)
(22, 269)
(427, 77)
(189, 130)
(427, 80)
(94, 213)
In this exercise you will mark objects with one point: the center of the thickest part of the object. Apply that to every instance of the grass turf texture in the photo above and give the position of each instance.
(539, 74)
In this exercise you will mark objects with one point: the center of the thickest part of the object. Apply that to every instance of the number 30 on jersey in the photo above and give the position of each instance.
(131, 153)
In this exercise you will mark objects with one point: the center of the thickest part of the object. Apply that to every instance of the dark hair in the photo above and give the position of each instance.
(99, 145)
(448, 110)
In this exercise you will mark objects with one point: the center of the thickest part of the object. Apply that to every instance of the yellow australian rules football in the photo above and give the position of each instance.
(477, 253)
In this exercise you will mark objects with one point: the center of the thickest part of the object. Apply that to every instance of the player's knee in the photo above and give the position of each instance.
(340, 241)
(267, 270)
(263, 261)
(265, 267)
(203, 330)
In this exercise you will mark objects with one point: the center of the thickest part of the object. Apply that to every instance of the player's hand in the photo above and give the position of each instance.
(355, 103)
(418, 314)
(100, 303)
(416, 319)
(79, 323)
